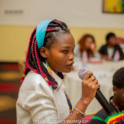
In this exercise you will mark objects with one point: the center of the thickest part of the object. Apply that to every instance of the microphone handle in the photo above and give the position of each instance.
(104, 103)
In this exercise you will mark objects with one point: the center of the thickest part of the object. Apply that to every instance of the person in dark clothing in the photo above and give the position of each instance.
(116, 101)
(108, 50)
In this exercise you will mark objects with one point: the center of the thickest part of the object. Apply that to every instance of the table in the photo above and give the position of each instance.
(103, 72)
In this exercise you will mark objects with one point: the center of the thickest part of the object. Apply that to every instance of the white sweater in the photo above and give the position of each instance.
(37, 101)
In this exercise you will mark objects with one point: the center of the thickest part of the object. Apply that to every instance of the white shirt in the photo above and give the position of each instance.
(110, 51)
(37, 101)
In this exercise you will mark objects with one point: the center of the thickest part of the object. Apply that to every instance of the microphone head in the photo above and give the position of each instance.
(82, 73)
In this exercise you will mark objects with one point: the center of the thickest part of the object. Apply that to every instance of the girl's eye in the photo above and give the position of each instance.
(65, 51)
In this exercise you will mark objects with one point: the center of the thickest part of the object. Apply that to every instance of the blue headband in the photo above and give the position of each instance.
(40, 32)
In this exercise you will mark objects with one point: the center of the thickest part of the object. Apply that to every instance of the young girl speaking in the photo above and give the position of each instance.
(42, 97)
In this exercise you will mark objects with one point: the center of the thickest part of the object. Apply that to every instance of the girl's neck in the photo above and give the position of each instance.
(52, 69)
(55, 71)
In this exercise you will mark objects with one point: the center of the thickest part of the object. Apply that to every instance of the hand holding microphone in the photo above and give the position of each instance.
(89, 87)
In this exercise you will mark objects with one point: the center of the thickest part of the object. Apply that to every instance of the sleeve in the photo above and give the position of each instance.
(101, 50)
(96, 121)
(99, 117)
(40, 105)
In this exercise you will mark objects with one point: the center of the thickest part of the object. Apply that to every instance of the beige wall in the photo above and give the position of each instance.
(78, 13)
(14, 39)
(82, 16)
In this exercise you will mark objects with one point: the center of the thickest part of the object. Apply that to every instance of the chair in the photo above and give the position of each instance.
(120, 42)
(88, 118)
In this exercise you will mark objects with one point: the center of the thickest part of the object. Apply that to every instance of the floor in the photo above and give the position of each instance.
(9, 86)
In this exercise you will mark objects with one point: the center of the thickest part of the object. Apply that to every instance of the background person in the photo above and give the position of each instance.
(86, 43)
(108, 50)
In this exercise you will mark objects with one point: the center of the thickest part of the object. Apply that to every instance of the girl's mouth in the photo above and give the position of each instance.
(71, 64)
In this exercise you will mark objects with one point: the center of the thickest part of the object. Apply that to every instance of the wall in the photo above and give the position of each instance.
(82, 16)
(85, 13)
(14, 39)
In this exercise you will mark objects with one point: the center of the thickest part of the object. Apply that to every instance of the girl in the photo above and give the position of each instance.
(86, 43)
(42, 97)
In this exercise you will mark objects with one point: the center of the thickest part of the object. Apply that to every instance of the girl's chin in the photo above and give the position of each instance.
(67, 70)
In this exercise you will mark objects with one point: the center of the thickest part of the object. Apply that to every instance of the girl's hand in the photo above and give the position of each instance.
(93, 47)
(89, 87)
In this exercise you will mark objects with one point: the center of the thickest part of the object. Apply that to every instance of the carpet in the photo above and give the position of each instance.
(9, 86)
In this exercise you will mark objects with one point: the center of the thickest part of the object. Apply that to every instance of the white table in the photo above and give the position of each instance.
(73, 83)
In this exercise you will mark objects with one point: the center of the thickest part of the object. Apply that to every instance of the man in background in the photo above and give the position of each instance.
(108, 50)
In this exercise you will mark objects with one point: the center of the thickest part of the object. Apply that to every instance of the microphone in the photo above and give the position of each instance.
(99, 96)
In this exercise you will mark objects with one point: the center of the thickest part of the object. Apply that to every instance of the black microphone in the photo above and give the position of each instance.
(99, 96)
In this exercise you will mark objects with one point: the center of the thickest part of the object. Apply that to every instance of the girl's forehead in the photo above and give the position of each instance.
(65, 41)
(64, 46)
(65, 38)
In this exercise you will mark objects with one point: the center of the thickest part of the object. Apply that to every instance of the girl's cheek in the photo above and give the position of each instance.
(123, 95)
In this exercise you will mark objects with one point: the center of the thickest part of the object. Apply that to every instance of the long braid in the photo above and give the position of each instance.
(34, 61)
(27, 67)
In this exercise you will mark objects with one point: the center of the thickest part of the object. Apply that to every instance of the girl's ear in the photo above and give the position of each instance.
(43, 52)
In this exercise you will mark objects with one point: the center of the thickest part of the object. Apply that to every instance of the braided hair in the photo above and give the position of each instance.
(34, 61)
(118, 78)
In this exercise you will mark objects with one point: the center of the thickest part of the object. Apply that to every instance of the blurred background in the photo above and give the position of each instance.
(18, 18)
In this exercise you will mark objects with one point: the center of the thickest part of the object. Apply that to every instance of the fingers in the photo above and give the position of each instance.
(98, 86)
(93, 84)
(92, 78)
(91, 81)
(88, 75)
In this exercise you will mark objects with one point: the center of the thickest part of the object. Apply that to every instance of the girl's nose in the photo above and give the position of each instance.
(71, 56)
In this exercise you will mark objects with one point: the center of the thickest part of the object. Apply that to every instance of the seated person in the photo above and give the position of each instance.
(86, 43)
(116, 101)
(108, 50)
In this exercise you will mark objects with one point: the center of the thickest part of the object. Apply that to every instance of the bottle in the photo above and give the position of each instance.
(84, 59)
(116, 56)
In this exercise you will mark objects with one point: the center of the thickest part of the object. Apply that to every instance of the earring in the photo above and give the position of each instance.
(48, 68)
